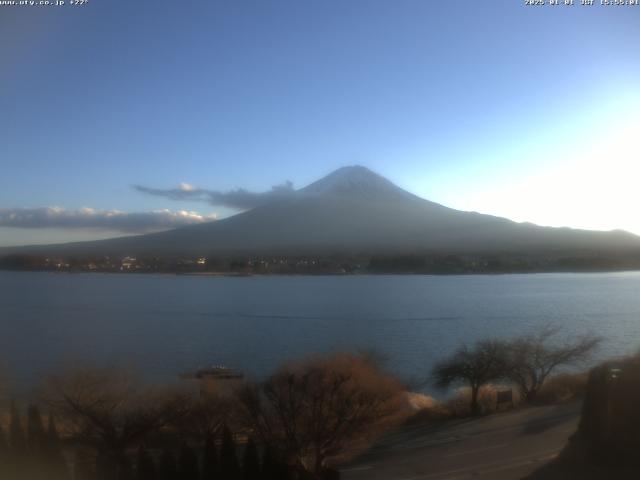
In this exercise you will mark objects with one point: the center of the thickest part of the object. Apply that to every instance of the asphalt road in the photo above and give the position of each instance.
(498, 447)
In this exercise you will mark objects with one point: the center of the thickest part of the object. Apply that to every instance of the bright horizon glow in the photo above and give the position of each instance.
(589, 181)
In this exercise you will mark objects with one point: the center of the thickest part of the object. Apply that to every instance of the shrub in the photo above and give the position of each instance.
(562, 388)
(319, 410)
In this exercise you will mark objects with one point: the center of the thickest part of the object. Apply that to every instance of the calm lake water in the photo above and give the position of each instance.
(165, 324)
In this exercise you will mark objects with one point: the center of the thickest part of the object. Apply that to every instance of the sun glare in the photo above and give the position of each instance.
(590, 183)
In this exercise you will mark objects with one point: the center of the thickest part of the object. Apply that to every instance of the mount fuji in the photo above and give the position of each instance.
(356, 211)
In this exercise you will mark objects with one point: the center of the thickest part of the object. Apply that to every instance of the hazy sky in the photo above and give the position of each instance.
(532, 113)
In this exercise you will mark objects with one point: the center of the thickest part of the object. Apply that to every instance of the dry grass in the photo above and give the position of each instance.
(564, 387)
(424, 409)
(561, 388)
(459, 405)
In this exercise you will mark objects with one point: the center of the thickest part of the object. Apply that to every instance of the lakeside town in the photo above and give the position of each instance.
(321, 265)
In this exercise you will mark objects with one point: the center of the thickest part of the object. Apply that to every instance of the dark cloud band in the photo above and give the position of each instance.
(239, 199)
(88, 218)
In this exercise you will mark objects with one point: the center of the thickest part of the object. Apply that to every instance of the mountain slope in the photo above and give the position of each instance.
(354, 210)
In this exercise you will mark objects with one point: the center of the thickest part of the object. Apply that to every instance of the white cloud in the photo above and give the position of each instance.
(89, 218)
(238, 199)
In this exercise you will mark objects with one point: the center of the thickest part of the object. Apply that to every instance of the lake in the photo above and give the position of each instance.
(166, 324)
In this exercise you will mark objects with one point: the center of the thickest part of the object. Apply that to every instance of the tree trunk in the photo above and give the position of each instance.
(318, 467)
(475, 407)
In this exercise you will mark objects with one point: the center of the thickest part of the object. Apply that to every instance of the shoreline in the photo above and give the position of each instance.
(327, 274)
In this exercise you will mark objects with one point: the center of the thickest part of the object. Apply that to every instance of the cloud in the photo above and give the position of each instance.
(89, 218)
(185, 191)
(239, 199)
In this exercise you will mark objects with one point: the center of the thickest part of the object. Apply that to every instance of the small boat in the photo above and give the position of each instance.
(214, 372)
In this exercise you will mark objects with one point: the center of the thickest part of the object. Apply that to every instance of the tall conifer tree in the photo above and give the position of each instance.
(36, 434)
(168, 469)
(54, 459)
(17, 439)
(250, 462)
(229, 469)
(188, 464)
(210, 462)
(146, 469)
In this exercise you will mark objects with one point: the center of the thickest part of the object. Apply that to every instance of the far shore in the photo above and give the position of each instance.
(323, 274)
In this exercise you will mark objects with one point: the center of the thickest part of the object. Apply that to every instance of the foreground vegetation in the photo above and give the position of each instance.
(299, 423)
(106, 425)
(525, 362)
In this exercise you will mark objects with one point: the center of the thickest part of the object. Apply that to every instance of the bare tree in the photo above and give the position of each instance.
(316, 410)
(110, 410)
(483, 363)
(533, 357)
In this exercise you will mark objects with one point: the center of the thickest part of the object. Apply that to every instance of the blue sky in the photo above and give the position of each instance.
(527, 112)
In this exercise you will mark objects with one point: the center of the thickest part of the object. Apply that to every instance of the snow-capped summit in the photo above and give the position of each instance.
(356, 181)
